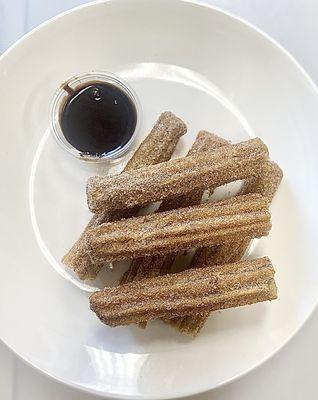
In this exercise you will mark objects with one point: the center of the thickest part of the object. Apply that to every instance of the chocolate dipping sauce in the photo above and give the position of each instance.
(98, 119)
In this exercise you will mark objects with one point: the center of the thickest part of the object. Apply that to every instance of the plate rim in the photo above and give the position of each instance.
(275, 43)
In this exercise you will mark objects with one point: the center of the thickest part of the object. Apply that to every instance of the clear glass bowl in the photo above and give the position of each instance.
(62, 95)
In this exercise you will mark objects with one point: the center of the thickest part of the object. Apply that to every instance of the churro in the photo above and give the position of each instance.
(194, 291)
(160, 264)
(170, 179)
(157, 147)
(167, 232)
(160, 143)
(266, 185)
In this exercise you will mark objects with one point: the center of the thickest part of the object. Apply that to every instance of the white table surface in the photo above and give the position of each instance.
(292, 373)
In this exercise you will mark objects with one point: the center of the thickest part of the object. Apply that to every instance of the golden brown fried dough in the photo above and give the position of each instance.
(167, 232)
(194, 291)
(172, 178)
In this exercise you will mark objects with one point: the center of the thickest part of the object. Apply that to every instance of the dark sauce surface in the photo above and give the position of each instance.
(98, 119)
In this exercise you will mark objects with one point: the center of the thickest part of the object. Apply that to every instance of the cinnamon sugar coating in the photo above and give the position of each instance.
(172, 178)
(194, 291)
(167, 232)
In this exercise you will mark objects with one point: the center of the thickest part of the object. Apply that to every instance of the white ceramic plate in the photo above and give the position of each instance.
(217, 73)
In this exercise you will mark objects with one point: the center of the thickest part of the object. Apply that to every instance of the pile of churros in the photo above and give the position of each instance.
(220, 231)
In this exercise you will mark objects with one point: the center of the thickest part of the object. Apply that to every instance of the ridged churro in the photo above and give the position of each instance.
(157, 147)
(266, 185)
(170, 179)
(194, 291)
(167, 232)
(160, 143)
(160, 264)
